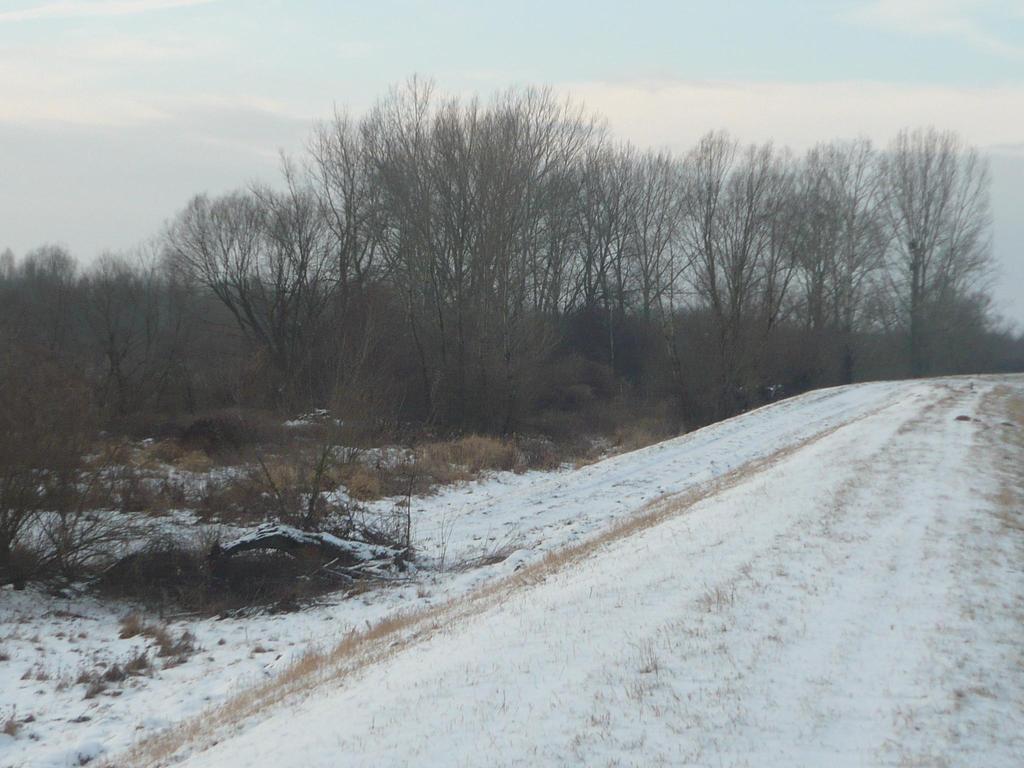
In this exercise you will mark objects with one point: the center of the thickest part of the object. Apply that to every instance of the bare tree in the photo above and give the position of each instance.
(843, 239)
(349, 198)
(266, 255)
(739, 252)
(654, 233)
(938, 213)
(49, 275)
(139, 324)
(7, 264)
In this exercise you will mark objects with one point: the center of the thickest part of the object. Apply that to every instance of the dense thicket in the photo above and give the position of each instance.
(510, 266)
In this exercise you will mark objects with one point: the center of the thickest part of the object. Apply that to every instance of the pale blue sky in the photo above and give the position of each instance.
(113, 111)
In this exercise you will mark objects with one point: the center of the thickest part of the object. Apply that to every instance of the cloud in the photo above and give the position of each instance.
(123, 49)
(76, 9)
(957, 19)
(37, 93)
(675, 113)
(97, 79)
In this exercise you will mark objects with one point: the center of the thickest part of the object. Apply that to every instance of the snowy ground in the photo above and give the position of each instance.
(857, 601)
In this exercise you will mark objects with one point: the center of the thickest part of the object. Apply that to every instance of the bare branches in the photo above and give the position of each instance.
(938, 214)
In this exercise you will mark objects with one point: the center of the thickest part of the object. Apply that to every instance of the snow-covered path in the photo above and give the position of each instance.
(856, 601)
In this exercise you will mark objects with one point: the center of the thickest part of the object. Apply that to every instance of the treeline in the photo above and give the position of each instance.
(511, 266)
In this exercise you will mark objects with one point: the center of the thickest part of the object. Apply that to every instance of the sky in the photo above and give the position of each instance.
(114, 112)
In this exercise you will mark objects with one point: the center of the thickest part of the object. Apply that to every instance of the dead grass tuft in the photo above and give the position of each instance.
(167, 645)
(131, 626)
(649, 662)
(137, 664)
(176, 650)
(11, 727)
(717, 599)
(114, 674)
(362, 483)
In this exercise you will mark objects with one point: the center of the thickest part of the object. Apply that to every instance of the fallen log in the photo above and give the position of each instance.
(346, 555)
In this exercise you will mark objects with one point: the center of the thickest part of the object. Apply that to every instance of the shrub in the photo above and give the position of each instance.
(45, 423)
(177, 574)
(50, 494)
(21, 564)
(219, 436)
(166, 571)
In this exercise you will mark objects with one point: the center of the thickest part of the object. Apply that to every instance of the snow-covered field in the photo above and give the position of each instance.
(852, 595)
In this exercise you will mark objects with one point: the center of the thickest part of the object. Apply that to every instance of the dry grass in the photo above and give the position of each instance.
(638, 435)
(1015, 411)
(362, 483)
(167, 645)
(11, 727)
(647, 657)
(137, 664)
(175, 651)
(399, 631)
(132, 625)
(475, 454)
(292, 458)
(1004, 407)
(193, 461)
(282, 472)
(718, 599)
(172, 453)
(443, 462)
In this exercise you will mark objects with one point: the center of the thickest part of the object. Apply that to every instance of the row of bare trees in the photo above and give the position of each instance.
(474, 264)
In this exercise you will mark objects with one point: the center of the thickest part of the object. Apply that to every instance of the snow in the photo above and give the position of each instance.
(855, 601)
(544, 511)
(358, 549)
